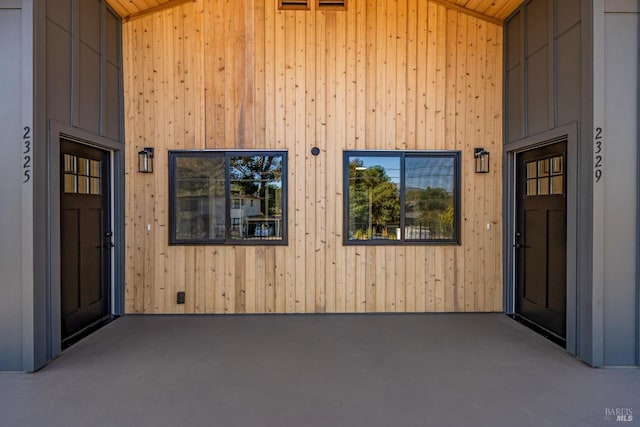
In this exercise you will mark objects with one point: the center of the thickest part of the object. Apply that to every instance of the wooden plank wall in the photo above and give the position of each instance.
(401, 74)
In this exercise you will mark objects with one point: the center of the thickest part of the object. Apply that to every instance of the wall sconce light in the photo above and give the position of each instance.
(145, 160)
(482, 160)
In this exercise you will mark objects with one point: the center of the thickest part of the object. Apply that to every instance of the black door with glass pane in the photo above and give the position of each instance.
(85, 237)
(541, 238)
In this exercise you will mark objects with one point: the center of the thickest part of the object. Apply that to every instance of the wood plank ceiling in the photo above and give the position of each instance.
(490, 10)
(129, 9)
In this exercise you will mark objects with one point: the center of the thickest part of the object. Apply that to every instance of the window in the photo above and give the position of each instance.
(209, 192)
(545, 177)
(402, 197)
(81, 175)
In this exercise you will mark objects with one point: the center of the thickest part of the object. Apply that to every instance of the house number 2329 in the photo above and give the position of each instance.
(26, 153)
(598, 155)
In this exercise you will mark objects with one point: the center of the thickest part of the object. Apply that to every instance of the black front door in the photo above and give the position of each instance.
(85, 237)
(541, 238)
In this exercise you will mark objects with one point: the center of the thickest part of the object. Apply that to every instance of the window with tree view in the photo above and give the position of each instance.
(227, 197)
(402, 197)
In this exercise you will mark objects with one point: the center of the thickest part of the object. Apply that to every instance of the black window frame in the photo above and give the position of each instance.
(227, 240)
(402, 155)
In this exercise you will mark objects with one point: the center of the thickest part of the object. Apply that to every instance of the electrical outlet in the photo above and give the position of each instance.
(181, 297)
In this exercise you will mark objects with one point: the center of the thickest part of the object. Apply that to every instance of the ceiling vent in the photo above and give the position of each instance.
(294, 5)
(332, 4)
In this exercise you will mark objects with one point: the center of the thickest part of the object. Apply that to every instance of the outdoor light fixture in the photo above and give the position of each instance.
(145, 160)
(482, 160)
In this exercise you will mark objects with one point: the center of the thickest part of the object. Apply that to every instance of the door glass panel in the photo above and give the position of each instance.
(556, 165)
(82, 175)
(95, 168)
(532, 187)
(83, 184)
(70, 183)
(543, 167)
(70, 164)
(95, 186)
(557, 185)
(94, 171)
(545, 177)
(83, 166)
(543, 186)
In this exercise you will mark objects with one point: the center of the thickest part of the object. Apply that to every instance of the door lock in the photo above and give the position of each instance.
(108, 244)
(517, 244)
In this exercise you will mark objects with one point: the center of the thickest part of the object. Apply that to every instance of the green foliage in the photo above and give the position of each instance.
(373, 200)
(434, 209)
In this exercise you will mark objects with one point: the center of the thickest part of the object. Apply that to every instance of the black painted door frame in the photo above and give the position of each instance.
(86, 237)
(541, 238)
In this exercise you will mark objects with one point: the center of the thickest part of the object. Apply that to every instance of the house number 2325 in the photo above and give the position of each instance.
(598, 155)
(26, 153)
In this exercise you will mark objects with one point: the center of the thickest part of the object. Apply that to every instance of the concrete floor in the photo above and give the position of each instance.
(327, 370)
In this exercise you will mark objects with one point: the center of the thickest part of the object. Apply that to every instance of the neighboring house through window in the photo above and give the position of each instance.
(219, 197)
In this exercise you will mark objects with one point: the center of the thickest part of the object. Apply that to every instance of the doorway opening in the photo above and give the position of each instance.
(86, 240)
(541, 239)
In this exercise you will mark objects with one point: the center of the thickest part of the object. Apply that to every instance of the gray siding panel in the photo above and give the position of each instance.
(567, 14)
(89, 23)
(569, 76)
(89, 82)
(514, 105)
(59, 11)
(537, 32)
(112, 102)
(548, 93)
(58, 73)
(10, 191)
(112, 35)
(513, 46)
(621, 187)
(538, 92)
(84, 66)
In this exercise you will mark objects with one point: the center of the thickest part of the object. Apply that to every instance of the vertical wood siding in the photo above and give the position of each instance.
(401, 74)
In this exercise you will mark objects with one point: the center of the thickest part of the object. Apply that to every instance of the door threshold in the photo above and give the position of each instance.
(69, 341)
(551, 336)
